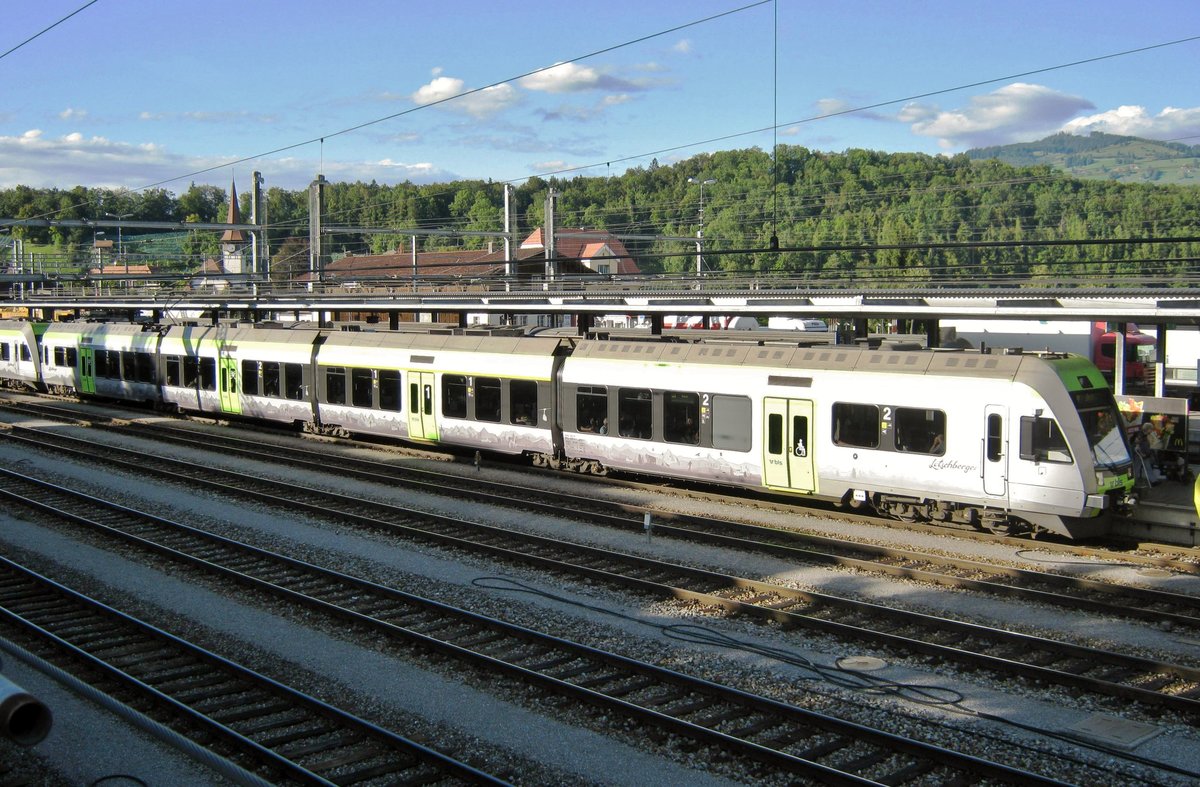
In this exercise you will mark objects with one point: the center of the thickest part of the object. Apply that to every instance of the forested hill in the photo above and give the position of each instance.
(1105, 157)
(851, 215)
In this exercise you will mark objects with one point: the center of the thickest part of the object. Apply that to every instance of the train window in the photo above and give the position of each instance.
(920, 431)
(293, 380)
(454, 396)
(72, 357)
(591, 408)
(208, 374)
(270, 378)
(995, 437)
(335, 384)
(145, 367)
(522, 402)
(25, 354)
(634, 413)
(129, 366)
(414, 397)
(99, 364)
(487, 399)
(390, 387)
(1043, 441)
(5, 351)
(60, 356)
(191, 371)
(362, 387)
(250, 384)
(775, 434)
(731, 419)
(174, 369)
(681, 417)
(856, 425)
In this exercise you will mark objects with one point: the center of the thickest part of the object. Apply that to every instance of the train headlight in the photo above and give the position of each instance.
(1099, 502)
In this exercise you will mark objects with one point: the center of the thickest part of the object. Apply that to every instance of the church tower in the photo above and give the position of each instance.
(233, 242)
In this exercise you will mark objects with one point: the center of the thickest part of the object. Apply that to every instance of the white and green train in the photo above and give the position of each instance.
(1003, 441)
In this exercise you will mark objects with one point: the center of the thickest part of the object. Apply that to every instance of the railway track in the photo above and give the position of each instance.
(257, 723)
(781, 738)
(1152, 683)
(1042, 587)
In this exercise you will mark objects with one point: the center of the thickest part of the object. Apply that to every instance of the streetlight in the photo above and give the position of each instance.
(700, 232)
(119, 217)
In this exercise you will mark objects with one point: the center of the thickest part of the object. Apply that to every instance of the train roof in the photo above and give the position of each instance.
(455, 342)
(885, 359)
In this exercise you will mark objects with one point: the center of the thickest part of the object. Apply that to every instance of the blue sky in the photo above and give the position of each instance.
(133, 93)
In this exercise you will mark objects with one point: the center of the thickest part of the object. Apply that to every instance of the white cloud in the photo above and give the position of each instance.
(443, 90)
(563, 78)
(1135, 121)
(574, 78)
(683, 46)
(70, 113)
(1014, 113)
(35, 160)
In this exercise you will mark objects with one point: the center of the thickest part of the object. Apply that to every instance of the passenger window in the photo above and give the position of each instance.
(270, 378)
(454, 396)
(293, 380)
(1043, 441)
(522, 398)
(250, 384)
(25, 354)
(856, 425)
(362, 385)
(335, 385)
(920, 431)
(634, 413)
(174, 366)
(681, 417)
(487, 399)
(128, 366)
(145, 368)
(208, 374)
(591, 409)
(390, 387)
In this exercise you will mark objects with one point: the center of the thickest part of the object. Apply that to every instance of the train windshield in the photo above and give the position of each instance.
(1102, 425)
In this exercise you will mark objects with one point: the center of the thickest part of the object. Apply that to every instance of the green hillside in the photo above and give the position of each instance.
(1104, 157)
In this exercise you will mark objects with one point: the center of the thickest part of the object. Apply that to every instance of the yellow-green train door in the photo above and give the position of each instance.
(228, 384)
(788, 445)
(87, 370)
(422, 421)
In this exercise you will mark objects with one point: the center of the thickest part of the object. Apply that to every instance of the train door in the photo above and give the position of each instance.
(787, 444)
(995, 451)
(87, 370)
(227, 383)
(422, 424)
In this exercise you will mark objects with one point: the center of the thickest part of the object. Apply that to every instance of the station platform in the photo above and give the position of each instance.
(1166, 513)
